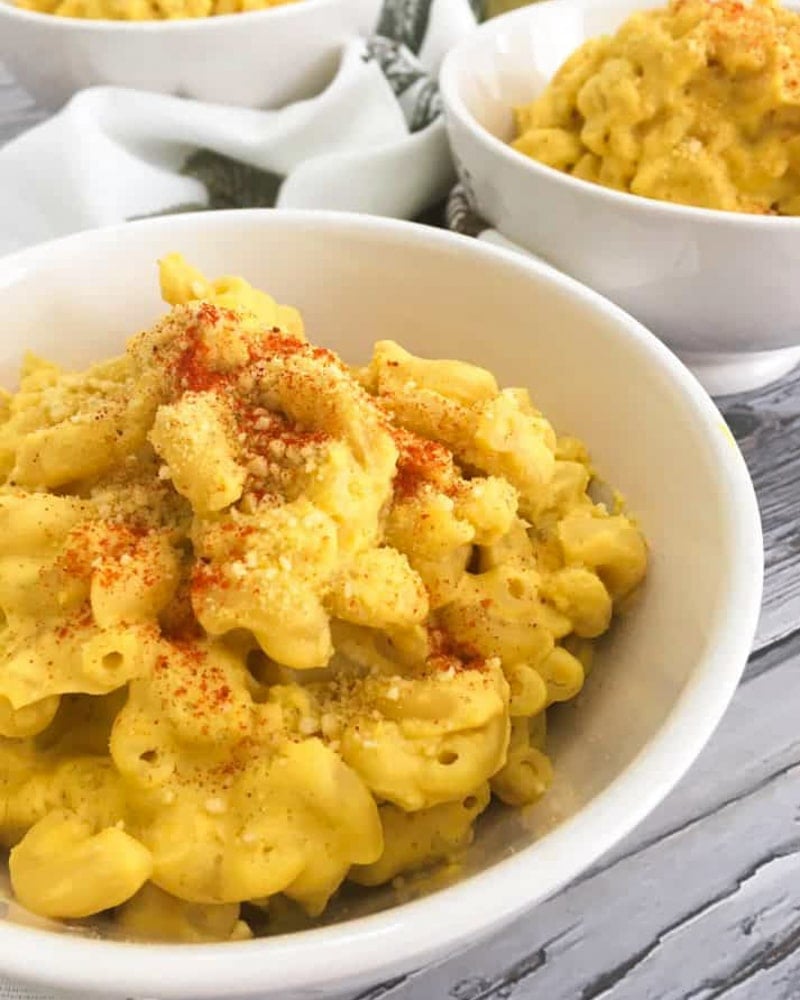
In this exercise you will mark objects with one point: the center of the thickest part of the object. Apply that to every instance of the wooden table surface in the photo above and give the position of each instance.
(703, 900)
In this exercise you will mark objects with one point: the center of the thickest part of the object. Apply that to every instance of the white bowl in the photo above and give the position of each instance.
(261, 58)
(661, 681)
(720, 288)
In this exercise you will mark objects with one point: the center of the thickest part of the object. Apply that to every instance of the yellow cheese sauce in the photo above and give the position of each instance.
(696, 103)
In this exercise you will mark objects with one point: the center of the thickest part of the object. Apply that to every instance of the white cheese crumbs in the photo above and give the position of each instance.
(249, 504)
(164, 472)
(258, 466)
(215, 806)
(329, 724)
(307, 726)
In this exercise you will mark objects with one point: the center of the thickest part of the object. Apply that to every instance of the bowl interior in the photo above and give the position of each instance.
(652, 434)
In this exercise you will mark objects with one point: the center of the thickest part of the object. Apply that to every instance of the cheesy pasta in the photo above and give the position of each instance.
(145, 10)
(697, 102)
(268, 622)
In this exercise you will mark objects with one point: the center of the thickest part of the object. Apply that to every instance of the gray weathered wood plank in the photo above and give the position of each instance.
(767, 426)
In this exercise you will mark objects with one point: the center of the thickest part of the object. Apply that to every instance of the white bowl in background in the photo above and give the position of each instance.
(720, 288)
(263, 58)
(663, 677)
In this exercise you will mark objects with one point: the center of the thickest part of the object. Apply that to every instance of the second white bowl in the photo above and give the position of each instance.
(720, 288)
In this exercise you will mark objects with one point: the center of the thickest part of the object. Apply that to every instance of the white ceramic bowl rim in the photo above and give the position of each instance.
(412, 932)
(454, 104)
(177, 25)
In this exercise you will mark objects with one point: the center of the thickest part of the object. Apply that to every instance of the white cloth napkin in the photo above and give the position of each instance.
(373, 141)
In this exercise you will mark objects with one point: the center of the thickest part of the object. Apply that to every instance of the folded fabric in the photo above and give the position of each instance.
(462, 218)
(373, 141)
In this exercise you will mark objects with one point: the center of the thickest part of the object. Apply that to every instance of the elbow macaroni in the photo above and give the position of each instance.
(695, 103)
(313, 615)
(146, 10)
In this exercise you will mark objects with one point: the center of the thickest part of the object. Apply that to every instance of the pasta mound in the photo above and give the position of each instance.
(145, 10)
(268, 622)
(696, 103)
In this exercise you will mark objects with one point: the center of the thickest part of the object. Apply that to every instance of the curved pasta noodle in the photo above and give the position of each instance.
(192, 438)
(19, 723)
(244, 845)
(263, 576)
(380, 590)
(433, 739)
(419, 839)
(74, 657)
(61, 868)
(527, 773)
(610, 545)
(153, 914)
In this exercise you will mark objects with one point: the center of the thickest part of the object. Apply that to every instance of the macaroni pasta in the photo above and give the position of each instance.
(145, 10)
(268, 622)
(697, 102)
